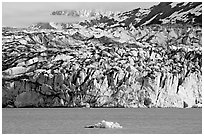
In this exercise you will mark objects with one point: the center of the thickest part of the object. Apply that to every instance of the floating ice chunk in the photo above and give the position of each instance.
(105, 124)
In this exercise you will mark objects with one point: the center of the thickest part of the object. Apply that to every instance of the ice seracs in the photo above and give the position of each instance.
(102, 65)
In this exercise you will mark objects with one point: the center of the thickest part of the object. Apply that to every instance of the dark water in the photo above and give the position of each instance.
(73, 120)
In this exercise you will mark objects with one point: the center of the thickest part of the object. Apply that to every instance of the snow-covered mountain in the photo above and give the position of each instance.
(132, 16)
(171, 12)
(51, 25)
(163, 13)
(84, 13)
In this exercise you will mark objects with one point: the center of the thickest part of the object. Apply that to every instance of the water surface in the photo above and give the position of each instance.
(73, 120)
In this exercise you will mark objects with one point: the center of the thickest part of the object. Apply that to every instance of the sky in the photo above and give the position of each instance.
(23, 14)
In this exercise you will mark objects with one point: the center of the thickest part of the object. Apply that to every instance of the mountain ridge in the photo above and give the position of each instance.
(84, 13)
(163, 13)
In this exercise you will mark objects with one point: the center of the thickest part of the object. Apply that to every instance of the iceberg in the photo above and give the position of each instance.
(105, 124)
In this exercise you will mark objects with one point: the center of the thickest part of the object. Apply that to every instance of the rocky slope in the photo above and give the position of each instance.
(163, 13)
(157, 65)
(170, 12)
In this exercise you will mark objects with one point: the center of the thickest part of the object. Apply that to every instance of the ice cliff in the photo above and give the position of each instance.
(155, 65)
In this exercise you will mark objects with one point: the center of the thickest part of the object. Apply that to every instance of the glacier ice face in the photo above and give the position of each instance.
(100, 66)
